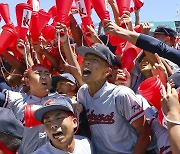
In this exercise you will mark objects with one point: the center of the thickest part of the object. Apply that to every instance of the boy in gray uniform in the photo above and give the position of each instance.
(117, 122)
(57, 116)
(39, 80)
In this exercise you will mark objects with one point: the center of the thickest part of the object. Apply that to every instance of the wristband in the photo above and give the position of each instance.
(171, 121)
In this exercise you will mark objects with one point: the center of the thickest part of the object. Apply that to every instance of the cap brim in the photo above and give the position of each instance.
(56, 79)
(163, 34)
(83, 50)
(39, 114)
(160, 33)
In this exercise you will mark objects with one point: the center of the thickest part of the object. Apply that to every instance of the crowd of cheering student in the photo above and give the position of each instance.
(74, 95)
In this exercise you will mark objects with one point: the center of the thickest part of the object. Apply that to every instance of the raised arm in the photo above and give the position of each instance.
(144, 42)
(13, 61)
(70, 55)
(171, 109)
(115, 10)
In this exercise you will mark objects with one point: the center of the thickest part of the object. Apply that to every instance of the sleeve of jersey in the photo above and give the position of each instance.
(128, 106)
(155, 46)
(15, 102)
(12, 99)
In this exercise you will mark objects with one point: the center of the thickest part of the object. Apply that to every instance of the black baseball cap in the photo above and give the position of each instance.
(59, 103)
(165, 29)
(100, 50)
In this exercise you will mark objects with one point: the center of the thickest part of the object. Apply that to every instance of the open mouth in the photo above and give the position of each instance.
(86, 72)
(44, 83)
(144, 66)
(57, 135)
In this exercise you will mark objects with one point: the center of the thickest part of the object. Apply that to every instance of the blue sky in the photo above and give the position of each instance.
(153, 10)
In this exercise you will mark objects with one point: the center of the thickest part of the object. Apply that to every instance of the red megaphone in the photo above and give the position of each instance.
(23, 15)
(34, 26)
(13, 46)
(38, 22)
(52, 11)
(115, 40)
(4, 11)
(63, 9)
(137, 28)
(130, 52)
(150, 89)
(49, 32)
(29, 119)
(8, 35)
(138, 4)
(123, 5)
(84, 7)
(43, 19)
(35, 4)
(100, 6)
(119, 49)
(54, 21)
(102, 11)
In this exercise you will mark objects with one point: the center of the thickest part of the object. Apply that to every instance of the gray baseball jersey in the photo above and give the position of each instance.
(110, 112)
(82, 146)
(161, 133)
(33, 137)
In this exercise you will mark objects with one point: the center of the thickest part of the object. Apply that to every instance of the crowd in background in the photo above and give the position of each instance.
(72, 89)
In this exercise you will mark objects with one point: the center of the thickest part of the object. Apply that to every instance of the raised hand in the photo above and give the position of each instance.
(160, 70)
(110, 27)
(170, 103)
(126, 20)
(145, 28)
(62, 31)
(92, 35)
(22, 46)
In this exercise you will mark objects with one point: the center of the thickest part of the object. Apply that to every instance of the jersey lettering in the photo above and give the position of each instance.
(99, 118)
